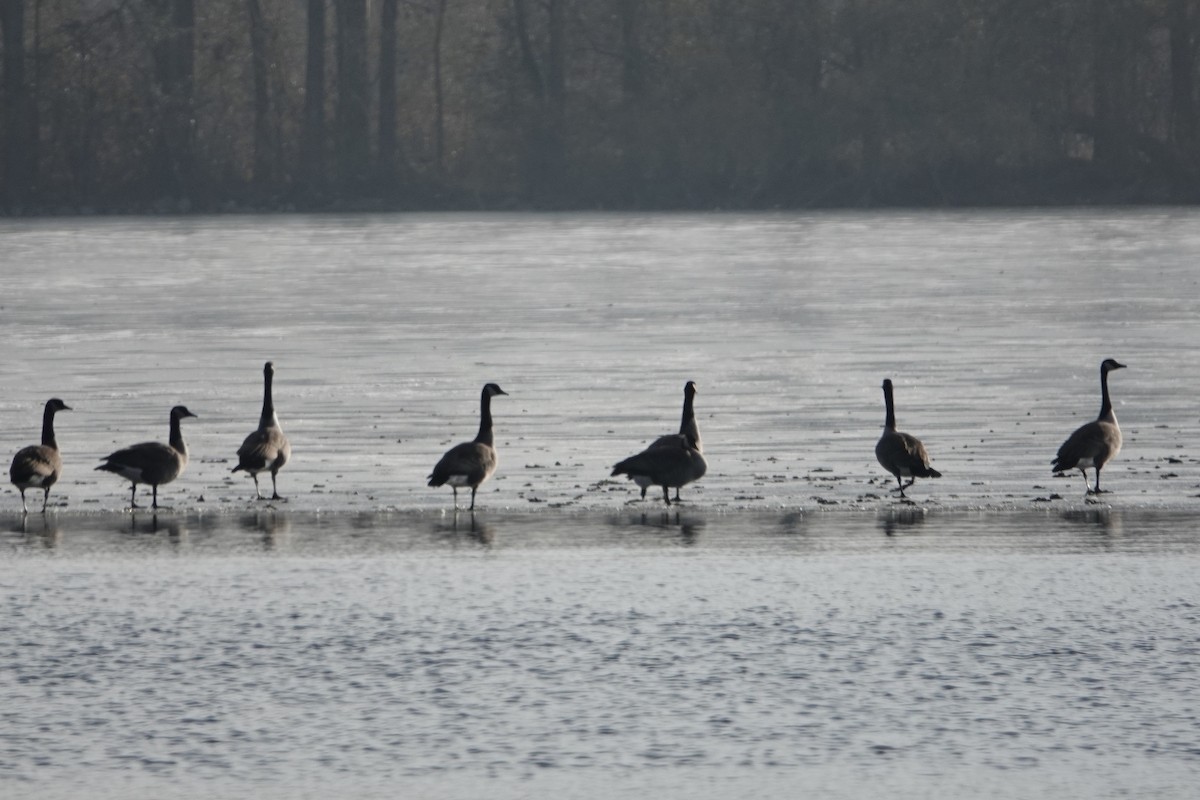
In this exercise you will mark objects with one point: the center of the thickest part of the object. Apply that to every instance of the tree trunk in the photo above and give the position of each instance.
(351, 127)
(18, 132)
(312, 147)
(1182, 18)
(174, 62)
(439, 124)
(387, 90)
(259, 66)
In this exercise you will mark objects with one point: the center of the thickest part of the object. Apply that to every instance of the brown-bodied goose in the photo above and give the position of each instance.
(899, 453)
(39, 465)
(154, 463)
(684, 456)
(267, 448)
(1097, 442)
(470, 463)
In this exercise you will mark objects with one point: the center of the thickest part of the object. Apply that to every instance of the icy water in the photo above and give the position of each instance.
(792, 628)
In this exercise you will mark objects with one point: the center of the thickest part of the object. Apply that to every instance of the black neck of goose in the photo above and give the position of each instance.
(48, 427)
(176, 438)
(689, 415)
(890, 421)
(485, 420)
(268, 411)
(1105, 402)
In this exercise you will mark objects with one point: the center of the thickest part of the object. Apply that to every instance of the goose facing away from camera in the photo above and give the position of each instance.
(267, 449)
(687, 427)
(153, 463)
(471, 463)
(900, 453)
(39, 466)
(1095, 443)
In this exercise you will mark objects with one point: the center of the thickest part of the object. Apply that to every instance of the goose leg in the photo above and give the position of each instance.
(133, 497)
(676, 494)
(274, 490)
(473, 489)
(1086, 485)
(45, 499)
(666, 495)
(454, 489)
(25, 508)
(257, 493)
(154, 498)
(1098, 490)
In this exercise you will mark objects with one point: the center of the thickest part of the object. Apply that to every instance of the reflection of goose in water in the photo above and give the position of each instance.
(899, 453)
(175, 527)
(1095, 443)
(154, 463)
(471, 463)
(686, 527)
(39, 466)
(466, 525)
(899, 520)
(275, 528)
(1105, 520)
(45, 531)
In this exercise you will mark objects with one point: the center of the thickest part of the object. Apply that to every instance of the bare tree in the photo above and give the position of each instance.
(19, 168)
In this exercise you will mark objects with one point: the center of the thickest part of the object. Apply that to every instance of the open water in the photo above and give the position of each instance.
(791, 628)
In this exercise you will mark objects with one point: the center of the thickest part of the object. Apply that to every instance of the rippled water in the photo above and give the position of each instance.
(749, 654)
(793, 629)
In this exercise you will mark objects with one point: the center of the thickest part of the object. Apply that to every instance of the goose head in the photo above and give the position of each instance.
(180, 412)
(491, 390)
(1109, 365)
(54, 404)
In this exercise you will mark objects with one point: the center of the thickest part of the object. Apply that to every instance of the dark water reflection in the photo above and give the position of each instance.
(314, 534)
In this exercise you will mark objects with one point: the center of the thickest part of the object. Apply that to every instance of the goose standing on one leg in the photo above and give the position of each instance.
(471, 463)
(899, 453)
(39, 465)
(670, 461)
(687, 427)
(1097, 442)
(154, 463)
(267, 448)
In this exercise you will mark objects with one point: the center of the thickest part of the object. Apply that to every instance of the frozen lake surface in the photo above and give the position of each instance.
(384, 328)
(791, 628)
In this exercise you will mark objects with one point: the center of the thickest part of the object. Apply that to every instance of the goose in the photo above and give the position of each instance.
(154, 463)
(1097, 442)
(267, 448)
(899, 453)
(39, 466)
(470, 463)
(672, 460)
(687, 427)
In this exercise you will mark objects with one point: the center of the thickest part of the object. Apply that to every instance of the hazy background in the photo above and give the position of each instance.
(174, 105)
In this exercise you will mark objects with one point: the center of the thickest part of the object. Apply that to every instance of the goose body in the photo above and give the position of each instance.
(39, 466)
(671, 461)
(1095, 443)
(900, 453)
(267, 449)
(470, 463)
(152, 463)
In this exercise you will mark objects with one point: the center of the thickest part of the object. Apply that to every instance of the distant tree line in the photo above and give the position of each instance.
(175, 105)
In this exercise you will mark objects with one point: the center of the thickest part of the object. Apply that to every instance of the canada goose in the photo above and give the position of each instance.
(39, 465)
(1097, 442)
(901, 454)
(687, 427)
(267, 448)
(470, 463)
(670, 461)
(154, 463)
